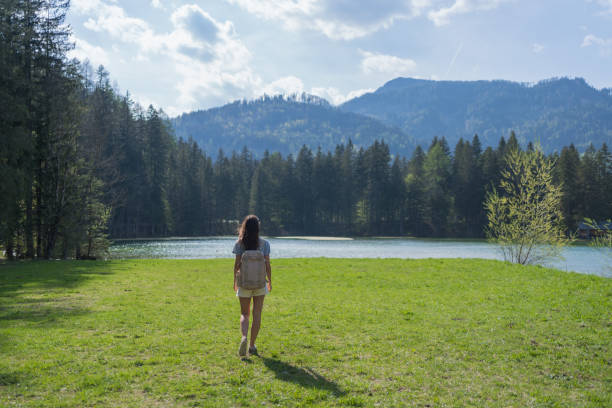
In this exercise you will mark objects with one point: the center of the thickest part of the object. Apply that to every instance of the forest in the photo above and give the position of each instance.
(80, 163)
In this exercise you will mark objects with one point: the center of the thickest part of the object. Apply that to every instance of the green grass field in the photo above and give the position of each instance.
(423, 333)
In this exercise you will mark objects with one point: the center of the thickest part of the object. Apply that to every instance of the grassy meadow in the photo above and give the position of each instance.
(335, 332)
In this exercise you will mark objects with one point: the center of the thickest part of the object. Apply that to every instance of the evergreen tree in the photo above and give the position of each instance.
(512, 144)
(437, 171)
(567, 175)
(345, 157)
(415, 193)
(159, 143)
(396, 198)
(303, 199)
(377, 158)
(604, 182)
(225, 191)
(15, 137)
(324, 184)
(589, 184)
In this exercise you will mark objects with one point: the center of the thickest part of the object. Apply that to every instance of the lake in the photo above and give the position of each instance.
(579, 258)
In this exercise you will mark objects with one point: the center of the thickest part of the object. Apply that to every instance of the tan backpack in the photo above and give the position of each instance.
(252, 274)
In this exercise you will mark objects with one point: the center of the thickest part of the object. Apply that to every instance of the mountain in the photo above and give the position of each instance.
(555, 112)
(284, 124)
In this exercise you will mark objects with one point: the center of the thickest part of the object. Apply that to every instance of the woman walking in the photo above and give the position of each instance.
(248, 240)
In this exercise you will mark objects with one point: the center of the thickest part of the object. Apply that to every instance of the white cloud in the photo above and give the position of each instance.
(211, 64)
(336, 19)
(594, 40)
(603, 44)
(84, 6)
(85, 51)
(335, 97)
(157, 4)
(537, 48)
(358, 92)
(112, 19)
(278, 9)
(288, 85)
(350, 19)
(606, 4)
(386, 64)
(192, 19)
(331, 94)
(442, 15)
(291, 85)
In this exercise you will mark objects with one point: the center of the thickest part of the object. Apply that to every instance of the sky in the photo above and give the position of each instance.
(196, 54)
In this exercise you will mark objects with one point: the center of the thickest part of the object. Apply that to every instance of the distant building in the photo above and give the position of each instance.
(588, 230)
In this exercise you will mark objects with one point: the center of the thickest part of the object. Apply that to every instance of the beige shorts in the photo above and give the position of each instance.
(241, 292)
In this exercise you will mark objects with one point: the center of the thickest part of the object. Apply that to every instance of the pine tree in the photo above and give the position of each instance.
(324, 184)
(303, 199)
(159, 143)
(377, 158)
(15, 139)
(589, 184)
(396, 198)
(567, 169)
(225, 191)
(437, 171)
(347, 195)
(604, 182)
(461, 182)
(415, 193)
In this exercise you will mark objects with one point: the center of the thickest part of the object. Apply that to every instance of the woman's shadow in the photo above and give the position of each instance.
(304, 377)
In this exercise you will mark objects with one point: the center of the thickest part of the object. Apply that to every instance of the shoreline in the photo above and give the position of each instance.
(577, 243)
(315, 238)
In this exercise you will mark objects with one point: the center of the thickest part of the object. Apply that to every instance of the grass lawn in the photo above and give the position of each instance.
(424, 333)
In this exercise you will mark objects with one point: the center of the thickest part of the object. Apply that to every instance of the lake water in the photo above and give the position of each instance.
(581, 259)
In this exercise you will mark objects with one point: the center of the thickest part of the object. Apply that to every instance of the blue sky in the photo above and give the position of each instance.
(188, 55)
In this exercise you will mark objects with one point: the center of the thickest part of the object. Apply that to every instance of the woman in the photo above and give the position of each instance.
(248, 239)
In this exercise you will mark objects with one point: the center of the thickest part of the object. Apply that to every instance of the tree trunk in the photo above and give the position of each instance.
(9, 245)
(29, 230)
(50, 241)
(64, 247)
(39, 246)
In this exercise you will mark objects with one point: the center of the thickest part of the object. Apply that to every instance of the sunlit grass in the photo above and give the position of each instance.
(335, 333)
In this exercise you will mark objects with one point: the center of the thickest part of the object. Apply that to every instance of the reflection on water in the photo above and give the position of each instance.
(577, 258)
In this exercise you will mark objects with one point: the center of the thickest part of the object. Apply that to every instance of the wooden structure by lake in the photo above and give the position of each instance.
(588, 230)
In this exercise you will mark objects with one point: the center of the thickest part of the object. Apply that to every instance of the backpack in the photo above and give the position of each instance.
(252, 274)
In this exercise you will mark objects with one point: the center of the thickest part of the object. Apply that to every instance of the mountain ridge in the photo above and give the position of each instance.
(555, 112)
(284, 124)
(408, 111)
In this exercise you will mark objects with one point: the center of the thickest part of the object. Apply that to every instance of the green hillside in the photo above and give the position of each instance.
(555, 112)
(281, 124)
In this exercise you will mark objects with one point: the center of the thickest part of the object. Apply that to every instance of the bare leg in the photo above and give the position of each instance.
(245, 305)
(257, 308)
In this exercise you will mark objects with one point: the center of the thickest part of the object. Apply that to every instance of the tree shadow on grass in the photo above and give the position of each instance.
(304, 377)
(31, 276)
(43, 316)
(41, 293)
(35, 290)
(8, 378)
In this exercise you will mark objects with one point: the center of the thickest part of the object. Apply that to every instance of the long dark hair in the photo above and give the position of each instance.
(248, 233)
